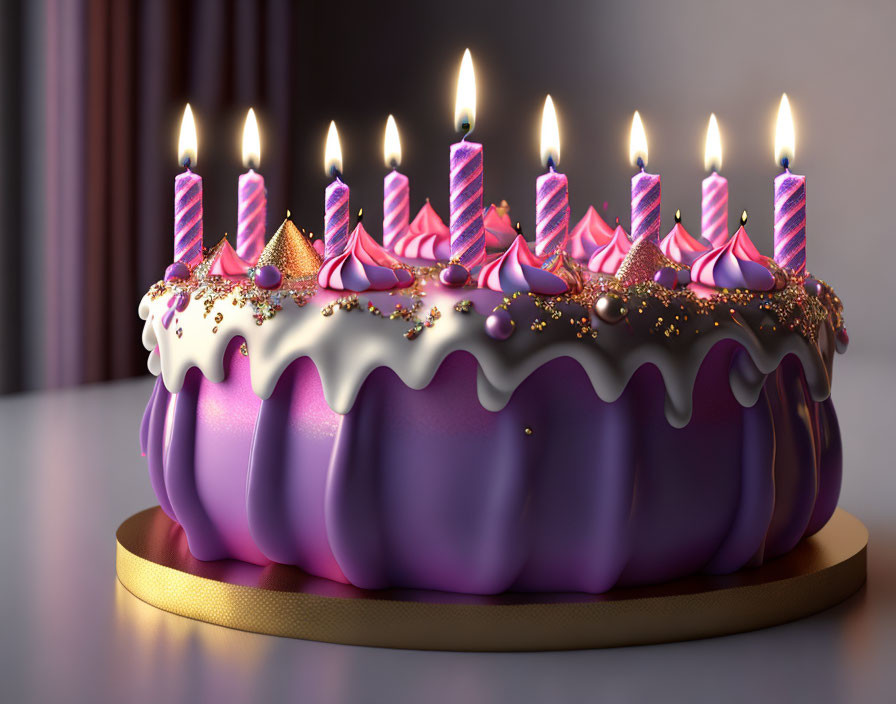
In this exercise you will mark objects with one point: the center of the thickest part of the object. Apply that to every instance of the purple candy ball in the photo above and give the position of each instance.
(178, 270)
(268, 277)
(667, 277)
(813, 286)
(454, 275)
(684, 277)
(499, 325)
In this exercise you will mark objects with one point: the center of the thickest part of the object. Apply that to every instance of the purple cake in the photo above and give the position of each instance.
(536, 425)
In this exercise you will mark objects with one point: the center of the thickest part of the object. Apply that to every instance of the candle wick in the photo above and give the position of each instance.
(641, 163)
(551, 164)
(785, 162)
(466, 127)
(337, 174)
(186, 163)
(394, 164)
(252, 165)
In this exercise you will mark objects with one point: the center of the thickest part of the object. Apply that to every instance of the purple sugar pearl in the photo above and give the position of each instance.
(499, 325)
(667, 277)
(178, 270)
(684, 277)
(268, 277)
(454, 275)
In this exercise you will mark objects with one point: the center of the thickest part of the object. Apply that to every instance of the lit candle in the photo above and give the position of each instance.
(253, 202)
(790, 198)
(466, 223)
(645, 188)
(396, 198)
(336, 201)
(187, 197)
(714, 224)
(551, 190)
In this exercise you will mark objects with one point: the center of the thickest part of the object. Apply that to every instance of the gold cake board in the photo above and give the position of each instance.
(154, 564)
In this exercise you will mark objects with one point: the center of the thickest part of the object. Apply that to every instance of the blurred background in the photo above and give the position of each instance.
(92, 92)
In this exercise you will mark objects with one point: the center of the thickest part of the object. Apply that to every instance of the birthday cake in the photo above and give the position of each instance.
(620, 413)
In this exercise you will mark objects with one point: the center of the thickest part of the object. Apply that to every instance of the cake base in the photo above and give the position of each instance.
(154, 564)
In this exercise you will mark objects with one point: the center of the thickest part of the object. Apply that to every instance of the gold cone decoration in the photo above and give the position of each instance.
(202, 269)
(291, 252)
(643, 260)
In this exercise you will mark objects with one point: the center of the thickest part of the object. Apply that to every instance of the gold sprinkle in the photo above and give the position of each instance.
(527, 430)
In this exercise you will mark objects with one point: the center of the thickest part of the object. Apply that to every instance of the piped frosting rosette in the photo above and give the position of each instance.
(590, 234)
(607, 259)
(499, 232)
(427, 238)
(363, 266)
(680, 247)
(736, 264)
(518, 269)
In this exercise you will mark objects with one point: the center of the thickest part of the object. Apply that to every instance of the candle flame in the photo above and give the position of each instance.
(251, 142)
(637, 145)
(392, 144)
(785, 139)
(333, 152)
(187, 143)
(712, 155)
(465, 102)
(743, 218)
(550, 134)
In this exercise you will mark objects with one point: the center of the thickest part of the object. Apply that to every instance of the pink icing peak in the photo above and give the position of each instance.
(518, 269)
(680, 247)
(736, 264)
(606, 259)
(591, 233)
(499, 232)
(228, 263)
(363, 266)
(427, 238)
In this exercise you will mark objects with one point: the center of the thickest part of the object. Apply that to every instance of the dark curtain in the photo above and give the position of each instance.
(92, 93)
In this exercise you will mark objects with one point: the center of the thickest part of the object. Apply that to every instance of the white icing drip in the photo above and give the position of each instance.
(347, 345)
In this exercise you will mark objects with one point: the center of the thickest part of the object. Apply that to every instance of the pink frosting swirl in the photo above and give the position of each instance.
(518, 269)
(427, 238)
(606, 260)
(736, 264)
(228, 263)
(363, 266)
(499, 232)
(680, 247)
(591, 233)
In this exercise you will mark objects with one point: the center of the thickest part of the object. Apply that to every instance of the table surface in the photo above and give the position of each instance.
(71, 472)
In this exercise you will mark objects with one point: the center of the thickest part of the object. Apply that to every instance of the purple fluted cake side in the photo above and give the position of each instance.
(427, 489)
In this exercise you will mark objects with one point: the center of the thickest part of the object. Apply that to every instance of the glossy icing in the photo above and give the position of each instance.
(589, 234)
(679, 246)
(363, 266)
(427, 237)
(499, 232)
(606, 259)
(736, 264)
(518, 269)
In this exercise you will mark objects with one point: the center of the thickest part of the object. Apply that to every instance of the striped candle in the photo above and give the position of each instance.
(646, 206)
(466, 224)
(714, 223)
(551, 213)
(335, 218)
(188, 218)
(396, 208)
(252, 215)
(790, 222)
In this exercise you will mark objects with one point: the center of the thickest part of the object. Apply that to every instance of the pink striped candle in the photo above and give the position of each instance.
(551, 213)
(252, 215)
(790, 221)
(396, 208)
(466, 224)
(714, 222)
(335, 218)
(646, 196)
(188, 217)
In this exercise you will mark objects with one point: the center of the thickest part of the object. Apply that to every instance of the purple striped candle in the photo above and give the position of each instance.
(646, 195)
(551, 213)
(466, 225)
(253, 207)
(188, 218)
(714, 223)
(335, 218)
(396, 208)
(790, 222)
